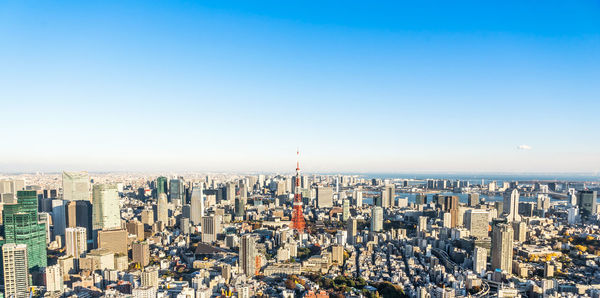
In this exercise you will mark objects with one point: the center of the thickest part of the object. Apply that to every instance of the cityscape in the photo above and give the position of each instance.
(299, 149)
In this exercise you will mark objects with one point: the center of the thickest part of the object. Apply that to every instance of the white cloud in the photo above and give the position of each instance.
(524, 147)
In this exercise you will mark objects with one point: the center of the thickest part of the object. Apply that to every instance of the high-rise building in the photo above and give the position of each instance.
(162, 207)
(543, 202)
(352, 228)
(587, 201)
(422, 225)
(519, 231)
(473, 199)
(388, 195)
(511, 205)
(248, 255)
(59, 217)
(136, 228)
(141, 253)
(345, 209)
(451, 206)
(324, 197)
(147, 216)
(175, 190)
(502, 246)
(479, 260)
(149, 277)
(15, 266)
(197, 204)
(76, 241)
(358, 198)
(106, 213)
(337, 254)
(21, 226)
(114, 241)
(230, 191)
(211, 226)
(240, 207)
(54, 279)
(477, 222)
(161, 185)
(71, 213)
(83, 216)
(76, 186)
(420, 199)
(376, 219)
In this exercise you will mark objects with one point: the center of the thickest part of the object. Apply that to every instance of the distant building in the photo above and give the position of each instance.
(141, 253)
(162, 209)
(197, 204)
(106, 213)
(76, 241)
(376, 219)
(502, 247)
(511, 205)
(324, 197)
(587, 201)
(248, 255)
(473, 199)
(76, 186)
(477, 221)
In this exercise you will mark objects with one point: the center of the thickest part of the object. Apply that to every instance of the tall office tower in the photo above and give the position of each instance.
(477, 222)
(147, 216)
(324, 197)
(149, 277)
(451, 206)
(230, 191)
(519, 231)
(511, 205)
(21, 226)
(211, 226)
(76, 241)
(175, 190)
(248, 255)
(54, 279)
(161, 185)
(135, 227)
(479, 260)
(420, 199)
(59, 217)
(83, 216)
(502, 247)
(162, 208)
(106, 213)
(358, 198)
(15, 264)
(71, 213)
(197, 204)
(141, 253)
(543, 202)
(76, 186)
(376, 219)
(298, 222)
(45, 219)
(352, 229)
(586, 200)
(345, 209)
(388, 195)
(473, 199)
(239, 207)
(422, 225)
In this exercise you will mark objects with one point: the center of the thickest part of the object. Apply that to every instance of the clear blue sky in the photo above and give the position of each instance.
(359, 87)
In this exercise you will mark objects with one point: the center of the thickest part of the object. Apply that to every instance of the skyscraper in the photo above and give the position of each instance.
(476, 221)
(473, 199)
(211, 226)
(175, 190)
(141, 253)
(248, 255)
(511, 205)
(83, 216)
(502, 246)
(106, 213)
(479, 260)
(162, 208)
(161, 185)
(59, 217)
(587, 201)
(197, 204)
(21, 226)
(345, 209)
(76, 241)
(388, 195)
(352, 228)
(376, 219)
(76, 186)
(451, 206)
(15, 265)
(358, 198)
(420, 199)
(324, 197)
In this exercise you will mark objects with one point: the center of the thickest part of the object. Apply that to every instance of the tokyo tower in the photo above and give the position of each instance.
(298, 222)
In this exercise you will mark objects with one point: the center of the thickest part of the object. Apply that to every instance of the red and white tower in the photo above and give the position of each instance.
(298, 222)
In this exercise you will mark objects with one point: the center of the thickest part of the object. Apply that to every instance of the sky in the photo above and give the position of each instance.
(364, 87)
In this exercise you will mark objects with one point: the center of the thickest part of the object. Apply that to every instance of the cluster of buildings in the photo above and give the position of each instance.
(139, 235)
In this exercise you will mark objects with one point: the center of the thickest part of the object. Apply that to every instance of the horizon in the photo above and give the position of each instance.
(393, 87)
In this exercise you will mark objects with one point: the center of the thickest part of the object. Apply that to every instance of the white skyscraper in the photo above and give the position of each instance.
(376, 219)
(76, 241)
(106, 213)
(358, 198)
(197, 204)
(76, 186)
(511, 205)
(54, 278)
(16, 270)
(162, 209)
(479, 260)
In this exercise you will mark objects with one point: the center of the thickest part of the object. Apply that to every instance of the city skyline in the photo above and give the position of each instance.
(462, 87)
